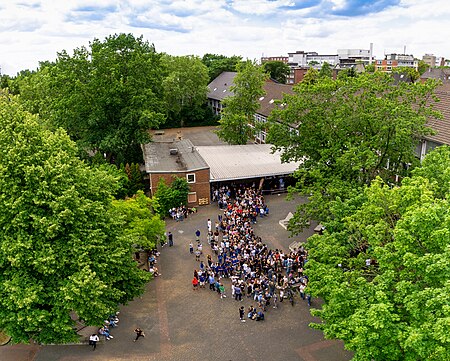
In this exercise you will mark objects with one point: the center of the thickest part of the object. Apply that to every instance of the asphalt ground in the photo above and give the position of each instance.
(182, 324)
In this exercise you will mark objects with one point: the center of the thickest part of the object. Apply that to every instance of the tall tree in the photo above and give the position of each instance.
(142, 226)
(185, 87)
(348, 131)
(382, 268)
(237, 122)
(325, 71)
(62, 250)
(277, 70)
(217, 64)
(106, 96)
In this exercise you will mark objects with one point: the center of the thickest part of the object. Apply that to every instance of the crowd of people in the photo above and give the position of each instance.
(264, 275)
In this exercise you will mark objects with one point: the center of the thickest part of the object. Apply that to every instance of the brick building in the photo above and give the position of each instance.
(179, 158)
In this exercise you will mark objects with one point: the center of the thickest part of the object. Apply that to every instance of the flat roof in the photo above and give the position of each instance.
(158, 157)
(232, 162)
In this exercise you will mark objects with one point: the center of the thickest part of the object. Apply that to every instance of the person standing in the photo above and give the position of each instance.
(139, 333)
(191, 248)
(197, 235)
(93, 339)
(170, 238)
(241, 313)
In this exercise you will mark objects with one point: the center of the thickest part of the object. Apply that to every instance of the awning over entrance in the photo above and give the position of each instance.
(233, 162)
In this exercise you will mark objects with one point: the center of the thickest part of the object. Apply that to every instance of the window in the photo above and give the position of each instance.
(190, 178)
(192, 197)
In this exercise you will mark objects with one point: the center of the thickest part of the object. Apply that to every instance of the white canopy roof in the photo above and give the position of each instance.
(231, 162)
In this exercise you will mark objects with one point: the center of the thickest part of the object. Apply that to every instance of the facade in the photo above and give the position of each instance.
(355, 56)
(281, 58)
(430, 60)
(166, 159)
(301, 61)
(392, 61)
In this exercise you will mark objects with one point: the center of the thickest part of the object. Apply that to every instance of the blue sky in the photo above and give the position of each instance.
(35, 30)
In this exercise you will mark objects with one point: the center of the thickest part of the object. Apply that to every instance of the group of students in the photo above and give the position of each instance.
(256, 271)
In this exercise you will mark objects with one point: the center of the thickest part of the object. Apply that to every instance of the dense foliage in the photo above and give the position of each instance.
(185, 88)
(237, 124)
(142, 226)
(217, 64)
(63, 251)
(277, 70)
(347, 132)
(106, 96)
(382, 267)
(171, 196)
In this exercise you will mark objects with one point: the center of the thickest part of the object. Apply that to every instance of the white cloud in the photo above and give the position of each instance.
(32, 31)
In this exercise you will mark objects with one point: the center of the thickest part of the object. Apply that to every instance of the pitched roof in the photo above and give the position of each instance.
(158, 158)
(274, 91)
(441, 126)
(436, 73)
(231, 162)
(219, 88)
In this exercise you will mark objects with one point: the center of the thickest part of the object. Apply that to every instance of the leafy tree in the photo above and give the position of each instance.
(141, 225)
(346, 133)
(180, 187)
(410, 74)
(168, 197)
(422, 67)
(217, 64)
(369, 68)
(277, 70)
(62, 251)
(239, 109)
(185, 87)
(325, 71)
(106, 96)
(348, 73)
(382, 267)
(311, 76)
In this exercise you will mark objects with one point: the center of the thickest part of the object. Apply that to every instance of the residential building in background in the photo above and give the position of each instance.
(392, 61)
(430, 60)
(283, 59)
(350, 57)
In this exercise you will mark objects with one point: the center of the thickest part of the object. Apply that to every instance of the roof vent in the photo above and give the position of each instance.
(173, 151)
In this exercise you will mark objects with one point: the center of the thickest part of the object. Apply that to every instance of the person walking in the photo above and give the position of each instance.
(139, 333)
(170, 238)
(197, 235)
(191, 248)
(93, 339)
(241, 313)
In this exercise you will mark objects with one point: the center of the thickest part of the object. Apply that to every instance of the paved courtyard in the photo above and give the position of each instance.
(181, 324)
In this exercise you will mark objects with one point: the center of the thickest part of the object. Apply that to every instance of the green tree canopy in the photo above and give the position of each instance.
(235, 126)
(185, 87)
(217, 64)
(172, 196)
(62, 251)
(410, 74)
(141, 225)
(277, 70)
(382, 267)
(106, 96)
(422, 67)
(325, 71)
(348, 131)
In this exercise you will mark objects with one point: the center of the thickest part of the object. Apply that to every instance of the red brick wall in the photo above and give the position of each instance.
(201, 185)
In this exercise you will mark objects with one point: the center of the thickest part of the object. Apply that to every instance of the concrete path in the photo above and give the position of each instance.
(181, 324)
